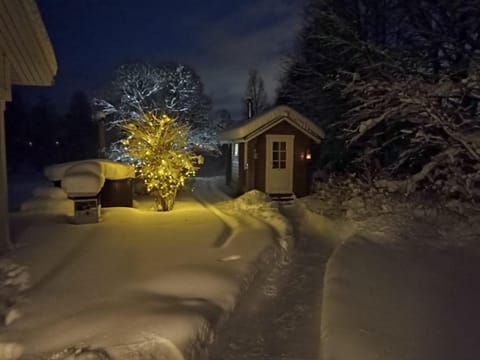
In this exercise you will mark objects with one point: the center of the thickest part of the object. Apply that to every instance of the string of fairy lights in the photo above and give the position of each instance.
(159, 147)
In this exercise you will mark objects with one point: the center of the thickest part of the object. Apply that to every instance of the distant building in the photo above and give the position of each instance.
(26, 58)
(271, 153)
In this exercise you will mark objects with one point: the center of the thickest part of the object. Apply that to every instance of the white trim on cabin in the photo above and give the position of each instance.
(279, 179)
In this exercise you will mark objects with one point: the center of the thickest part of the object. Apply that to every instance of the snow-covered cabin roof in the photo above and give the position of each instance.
(258, 125)
(26, 53)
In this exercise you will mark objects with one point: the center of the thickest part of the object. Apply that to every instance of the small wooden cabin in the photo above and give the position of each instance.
(271, 153)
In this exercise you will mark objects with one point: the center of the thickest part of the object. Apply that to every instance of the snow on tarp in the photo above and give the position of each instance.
(110, 170)
(47, 199)
(83, 179)
(82, 184)
(408, 301)
(61, 206)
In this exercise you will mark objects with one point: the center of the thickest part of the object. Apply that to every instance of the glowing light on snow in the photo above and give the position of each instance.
(158, 145)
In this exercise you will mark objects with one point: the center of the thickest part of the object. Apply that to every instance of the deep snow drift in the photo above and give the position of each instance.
(139, 283)
(402, 282)
(395, 301)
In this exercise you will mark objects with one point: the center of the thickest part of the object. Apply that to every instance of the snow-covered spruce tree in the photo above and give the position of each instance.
(329, 43)
(158, 144)
(172, 89)
(357, 58)
(334, 37)
(412, 106)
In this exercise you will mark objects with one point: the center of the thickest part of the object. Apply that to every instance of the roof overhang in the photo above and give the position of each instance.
(25, 47)
(268, 120)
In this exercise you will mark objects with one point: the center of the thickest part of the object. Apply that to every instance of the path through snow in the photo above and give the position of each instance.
(279, 318)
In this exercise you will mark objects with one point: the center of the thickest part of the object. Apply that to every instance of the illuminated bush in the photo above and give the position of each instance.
(159, 147)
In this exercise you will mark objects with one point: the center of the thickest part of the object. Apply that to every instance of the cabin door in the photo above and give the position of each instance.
(279, 164)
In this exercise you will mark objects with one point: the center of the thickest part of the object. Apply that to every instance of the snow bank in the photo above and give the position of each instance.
(20, 187)
(401, 301)
(110, 170)
(64, 206)
(49, 193)
(14, 280)
(260, 206)
(400, 283)
(352, 198)
(48, 199)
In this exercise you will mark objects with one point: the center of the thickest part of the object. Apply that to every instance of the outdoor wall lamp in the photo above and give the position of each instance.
(308, 154)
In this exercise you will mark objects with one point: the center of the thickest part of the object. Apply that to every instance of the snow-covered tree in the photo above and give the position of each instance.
(159, 146)
(202, 139)
(79, 132)
(422, 133)
(172, 89)
(330, 41)
(428, 38)
(255, 94)
(221, 119)
(440, 36)
(398, 77)
(327, 44)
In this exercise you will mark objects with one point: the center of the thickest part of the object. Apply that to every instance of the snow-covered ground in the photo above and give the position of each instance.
(140, 283)
(394, 301)
(21, 186)
(280, 316)
(402, 284)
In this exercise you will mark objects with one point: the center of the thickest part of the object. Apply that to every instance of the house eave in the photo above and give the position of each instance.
(25, 44)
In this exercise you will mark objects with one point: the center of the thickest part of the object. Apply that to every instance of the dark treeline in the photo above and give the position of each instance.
(395, 84)
(38, 135)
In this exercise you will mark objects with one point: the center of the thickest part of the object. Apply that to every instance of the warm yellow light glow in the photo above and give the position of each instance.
(164, 162)
(308, 154)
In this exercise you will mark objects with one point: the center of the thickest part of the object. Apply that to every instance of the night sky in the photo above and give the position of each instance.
(221, 39)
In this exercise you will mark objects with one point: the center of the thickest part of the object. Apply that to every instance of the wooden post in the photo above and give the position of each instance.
(5, 243)
(5, 95)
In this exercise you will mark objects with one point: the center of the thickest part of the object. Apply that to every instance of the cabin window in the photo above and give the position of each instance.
(279, 155)
(235, 149)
